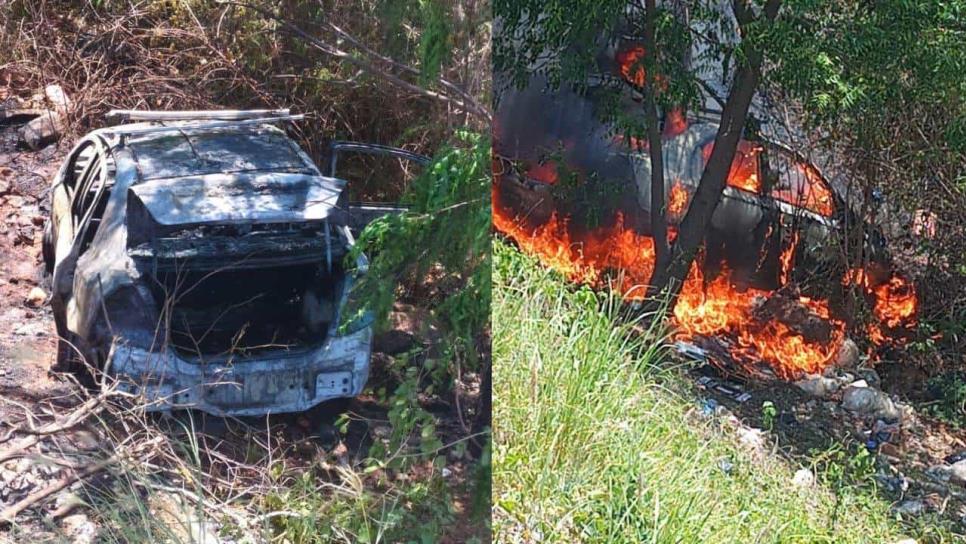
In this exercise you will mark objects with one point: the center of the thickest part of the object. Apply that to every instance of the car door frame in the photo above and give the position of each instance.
(62, 281)
(361, 213)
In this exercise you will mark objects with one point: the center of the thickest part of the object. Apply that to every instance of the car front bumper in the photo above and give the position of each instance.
(274, 382)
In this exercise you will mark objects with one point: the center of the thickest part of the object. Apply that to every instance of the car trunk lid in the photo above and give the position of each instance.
(236, 198)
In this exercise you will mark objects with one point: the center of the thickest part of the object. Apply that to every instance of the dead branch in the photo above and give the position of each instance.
(75, 417)
(466, 103)
(10, 513)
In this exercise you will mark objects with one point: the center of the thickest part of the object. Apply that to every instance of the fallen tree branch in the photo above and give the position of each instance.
(90, 407)
(10, 513)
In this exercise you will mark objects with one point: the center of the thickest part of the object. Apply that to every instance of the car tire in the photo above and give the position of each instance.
(47, 248)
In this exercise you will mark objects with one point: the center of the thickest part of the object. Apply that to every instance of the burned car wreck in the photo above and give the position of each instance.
(200, 259)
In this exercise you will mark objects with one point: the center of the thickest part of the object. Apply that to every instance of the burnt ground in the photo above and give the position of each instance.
(308, 440)
(910, 463)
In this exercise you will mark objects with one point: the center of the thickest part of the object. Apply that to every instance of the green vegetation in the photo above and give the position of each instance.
(318, 502)
(408, 511)
(598, 441)
(446, 232)
(948, 392)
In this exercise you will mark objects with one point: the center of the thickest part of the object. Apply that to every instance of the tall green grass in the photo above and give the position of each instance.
(596, 441)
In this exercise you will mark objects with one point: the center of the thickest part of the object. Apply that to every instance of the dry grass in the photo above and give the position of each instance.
(347, 65)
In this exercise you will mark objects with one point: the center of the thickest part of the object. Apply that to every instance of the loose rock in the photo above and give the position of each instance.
(57, 98)
(36, 297)
(15, 115)
(910, 508)
(870, 376)
(957, 473)
(80, 529)
(848, 355)
(803, 478)
(41, 131)
(818, 386)
(869, 401)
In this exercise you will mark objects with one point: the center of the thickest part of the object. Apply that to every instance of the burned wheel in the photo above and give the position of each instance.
(322, 420)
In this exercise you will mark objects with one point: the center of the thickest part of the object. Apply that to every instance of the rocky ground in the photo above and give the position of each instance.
(916, 462)
(27, 343)
(33, 400)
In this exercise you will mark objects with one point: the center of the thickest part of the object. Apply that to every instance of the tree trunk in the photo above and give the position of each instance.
(667, 281)
(655, 147)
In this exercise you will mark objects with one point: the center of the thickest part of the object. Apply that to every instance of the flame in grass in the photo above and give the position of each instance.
(894, 303)
(585, 257)
(718, 309)
(625, 259)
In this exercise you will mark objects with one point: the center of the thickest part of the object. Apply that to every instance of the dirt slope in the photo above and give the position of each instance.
(27, 338)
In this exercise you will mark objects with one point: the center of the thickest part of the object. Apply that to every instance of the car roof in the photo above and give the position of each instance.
(194, 151)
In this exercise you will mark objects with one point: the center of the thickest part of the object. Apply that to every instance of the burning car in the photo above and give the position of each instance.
(559, 158)
(200, 259)
(572, 187)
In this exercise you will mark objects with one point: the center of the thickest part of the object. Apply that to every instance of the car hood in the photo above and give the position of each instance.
(239, 198)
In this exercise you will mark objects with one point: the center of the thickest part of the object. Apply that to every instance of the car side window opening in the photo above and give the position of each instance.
(797, 183)
(77, 168)
(90, 200)
(744, 173)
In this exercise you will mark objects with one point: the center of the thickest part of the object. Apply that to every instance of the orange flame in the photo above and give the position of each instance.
(811, 193)
(819, 199)
(744, 167)
(677, 199)
(894, 303)
(628, 60)
(545, 172)
(808, 192)
(787, 259)
(675, 123)
(712, 308)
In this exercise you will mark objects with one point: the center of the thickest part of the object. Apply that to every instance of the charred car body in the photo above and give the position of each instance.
(200, 258)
